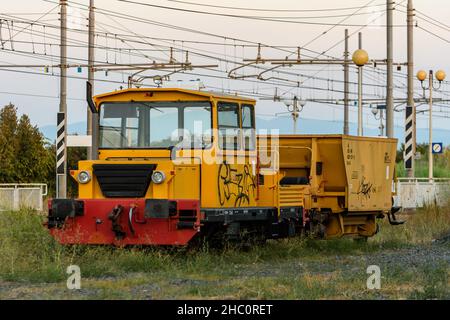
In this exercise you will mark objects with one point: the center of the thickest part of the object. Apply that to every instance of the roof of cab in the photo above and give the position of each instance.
(211, 94)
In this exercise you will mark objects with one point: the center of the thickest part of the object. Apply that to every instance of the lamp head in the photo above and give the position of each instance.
(440, 75)
(374, 111)
(360, 57)
(421, 75)
(158, 81)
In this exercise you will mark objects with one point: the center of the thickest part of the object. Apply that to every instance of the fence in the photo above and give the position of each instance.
(417, 192)
(23, 195)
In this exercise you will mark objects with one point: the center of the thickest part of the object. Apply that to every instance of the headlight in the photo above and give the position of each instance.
(84, 177)
(158, 177)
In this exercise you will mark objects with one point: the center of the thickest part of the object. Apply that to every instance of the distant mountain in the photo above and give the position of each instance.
(285, 126)
(313, 126)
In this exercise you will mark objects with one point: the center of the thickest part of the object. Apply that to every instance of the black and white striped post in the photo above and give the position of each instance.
(61, 149)
(409, 140)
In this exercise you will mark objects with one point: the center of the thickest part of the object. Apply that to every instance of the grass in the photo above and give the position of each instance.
(426, 224)
(441, 166)
(34, 265)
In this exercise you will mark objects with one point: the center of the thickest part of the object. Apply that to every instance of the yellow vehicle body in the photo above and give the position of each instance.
(236, 183)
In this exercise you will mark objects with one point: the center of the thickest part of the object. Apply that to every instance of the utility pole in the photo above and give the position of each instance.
(360, 93)
(61, 136)
(92, 118)
(410, 113)
(430, 128)
(346, 84)
(390, 71)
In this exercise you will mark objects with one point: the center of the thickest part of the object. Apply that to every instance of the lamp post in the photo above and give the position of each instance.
(360, 58)
(294, 107)
(297, 107)
(440, 76)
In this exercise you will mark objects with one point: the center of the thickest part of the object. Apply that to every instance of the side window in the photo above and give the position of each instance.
(248, 126)
(228, 120)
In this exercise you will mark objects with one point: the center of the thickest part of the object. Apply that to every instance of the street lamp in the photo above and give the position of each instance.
(375, 111)
(360, 58)
(294, 109)
(440, 76)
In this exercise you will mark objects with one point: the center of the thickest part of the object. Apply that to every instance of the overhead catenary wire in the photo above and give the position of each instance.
(241, 16)
(225, 37)
(424, 17)
(434, 34)
(272, 10)
(274, 83)
(78, 59)
(353, 33)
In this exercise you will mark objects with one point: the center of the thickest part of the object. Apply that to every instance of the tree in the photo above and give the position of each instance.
(30, 152)
(24, 157)
(8, 127)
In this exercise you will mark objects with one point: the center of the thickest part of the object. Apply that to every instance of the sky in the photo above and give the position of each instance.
(37, 94)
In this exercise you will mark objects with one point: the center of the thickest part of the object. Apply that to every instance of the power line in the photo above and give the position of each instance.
(325, 32)
(54, 37)
(154, 58)
(439, 23)
(36, 95)
(353, 33)
(153, 22)
(302, 75)
(434, 34)
(334, 26)
(122, 15)
(240, 16)
(220, 59)
(35, 21)
(271, 10)
(277, 84)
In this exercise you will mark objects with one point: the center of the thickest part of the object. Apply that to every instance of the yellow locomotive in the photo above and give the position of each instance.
(178, 165)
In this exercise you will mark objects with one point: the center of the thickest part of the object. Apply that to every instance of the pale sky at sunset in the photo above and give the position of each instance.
(40, 101)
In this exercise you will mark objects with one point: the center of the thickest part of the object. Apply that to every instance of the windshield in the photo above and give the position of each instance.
(155, 124)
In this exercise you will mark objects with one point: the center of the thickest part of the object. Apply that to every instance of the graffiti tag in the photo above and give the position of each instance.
(236, 185)
(365, 188)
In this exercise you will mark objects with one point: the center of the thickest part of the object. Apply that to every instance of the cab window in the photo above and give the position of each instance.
(161, 125)
(228, 123)
(248, 126)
